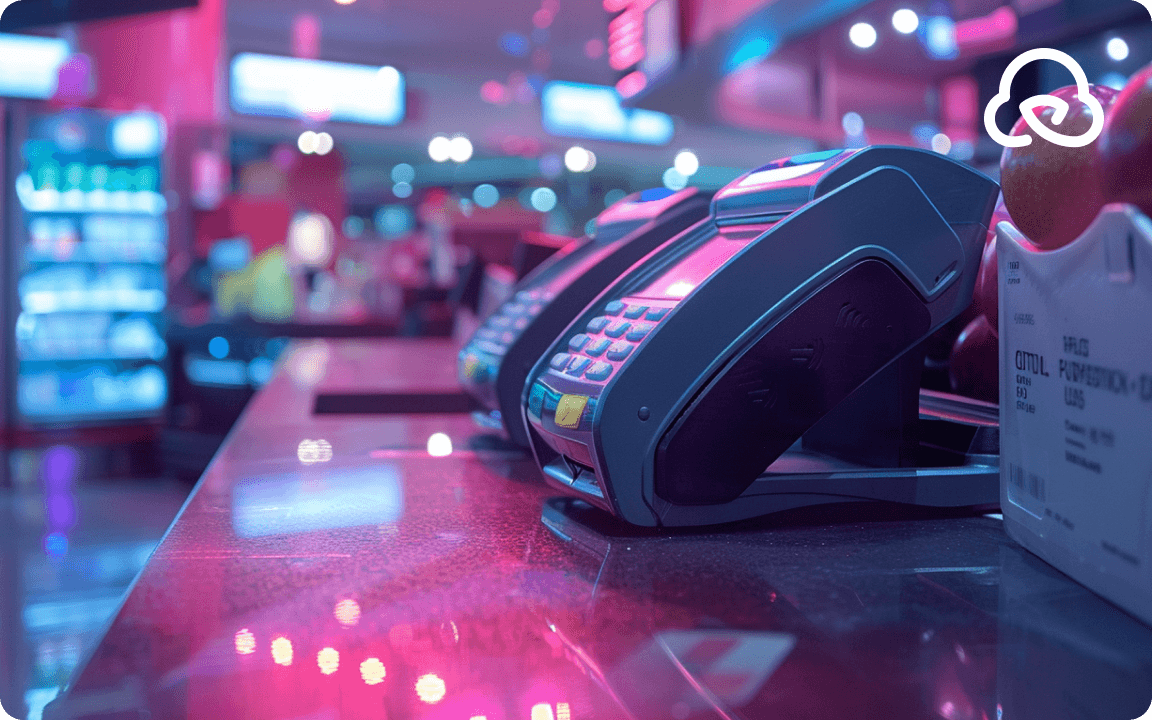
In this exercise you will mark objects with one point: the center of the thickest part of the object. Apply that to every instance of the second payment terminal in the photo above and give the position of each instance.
(495, 363)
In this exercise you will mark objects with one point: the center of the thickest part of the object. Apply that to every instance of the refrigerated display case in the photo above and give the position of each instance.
(87, 285)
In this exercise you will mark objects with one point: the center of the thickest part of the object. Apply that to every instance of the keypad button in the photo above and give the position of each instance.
(490, 347)
(617, 329)
(620, 350)
(613, 308)
(514, 309)
(634, 312)
(577, 343)
(520, 323)
(560, 361)
(599, 371)
(597, 324)
(507, 337)
(487, 334)
(597, 348)
(501, 322)
(534, 309)
(577, 366)
(639, 331)
(525, 296)
(657, 313)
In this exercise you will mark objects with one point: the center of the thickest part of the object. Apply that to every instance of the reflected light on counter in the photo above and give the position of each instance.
(328, 660)
(542, 711)
(313, 451)
(282, 651)
(439, 445)
(430, 688)
(245, 642)
(347, 612)
(372, 671)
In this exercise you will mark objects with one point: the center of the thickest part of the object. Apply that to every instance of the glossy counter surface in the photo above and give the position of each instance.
(353, 567)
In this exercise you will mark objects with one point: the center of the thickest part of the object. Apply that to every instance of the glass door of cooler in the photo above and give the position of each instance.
(90, 243)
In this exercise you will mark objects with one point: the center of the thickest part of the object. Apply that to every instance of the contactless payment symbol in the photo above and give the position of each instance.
(1058, 105)
(571, 410)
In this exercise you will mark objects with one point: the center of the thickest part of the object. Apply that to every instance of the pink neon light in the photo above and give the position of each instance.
(631, 83)
(999, 25)
(627, 57)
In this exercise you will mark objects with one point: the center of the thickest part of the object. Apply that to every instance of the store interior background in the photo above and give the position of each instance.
(223, 194)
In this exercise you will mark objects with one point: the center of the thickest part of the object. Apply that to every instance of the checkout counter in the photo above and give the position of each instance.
(350, 565)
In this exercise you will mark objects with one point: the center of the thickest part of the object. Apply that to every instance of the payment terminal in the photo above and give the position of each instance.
(495, 363)
(770, 357)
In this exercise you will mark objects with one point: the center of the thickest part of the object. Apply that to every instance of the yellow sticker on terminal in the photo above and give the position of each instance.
(571, 410)
(470, 363)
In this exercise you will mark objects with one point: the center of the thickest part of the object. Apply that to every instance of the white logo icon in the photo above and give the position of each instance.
(1060, 106)
(1147, 715)
(1147, 6)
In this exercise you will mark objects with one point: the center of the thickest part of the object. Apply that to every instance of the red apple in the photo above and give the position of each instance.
(1054, 193)
(1126, 145)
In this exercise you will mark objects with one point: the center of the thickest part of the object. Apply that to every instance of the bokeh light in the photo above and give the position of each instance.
(460, 149)
(674, 179)
(942, 144)
(543, 199)
(218, 348)
(440, 148)
(282, 651)
(372, 671)
(245, 642)
(863, 35)
(579, 160)
(439, 445)
(853, 124)
(686, 163)
(310, 239)
(328, 660)
(486, 195)
(905, 21)
(403, 173)
(430, 688)
(324, 143)
(347, 612)
(1118, 49)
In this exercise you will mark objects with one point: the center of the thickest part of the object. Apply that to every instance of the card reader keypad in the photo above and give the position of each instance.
(480, 359)
(606, 342)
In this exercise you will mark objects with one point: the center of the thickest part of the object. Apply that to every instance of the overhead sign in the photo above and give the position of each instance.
(275, 86)
(595, 111)
(30, 66)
